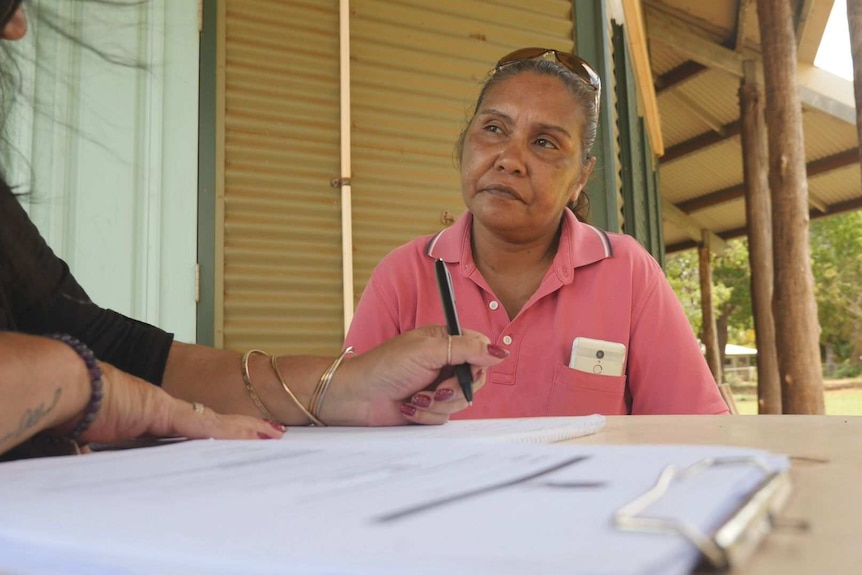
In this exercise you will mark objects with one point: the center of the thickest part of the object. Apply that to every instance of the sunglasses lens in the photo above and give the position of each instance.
(573, 63)
(522, 54)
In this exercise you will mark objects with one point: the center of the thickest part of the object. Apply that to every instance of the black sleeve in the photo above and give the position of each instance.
(42, 297)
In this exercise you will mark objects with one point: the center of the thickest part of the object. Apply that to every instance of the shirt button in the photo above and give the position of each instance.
(507, 339)
(493, 305)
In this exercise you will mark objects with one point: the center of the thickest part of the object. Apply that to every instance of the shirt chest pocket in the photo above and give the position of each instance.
(577, 392)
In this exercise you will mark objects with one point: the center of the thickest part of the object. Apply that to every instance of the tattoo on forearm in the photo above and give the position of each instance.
(31, 418)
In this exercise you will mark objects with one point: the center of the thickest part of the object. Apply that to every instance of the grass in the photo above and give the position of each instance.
(838, 402)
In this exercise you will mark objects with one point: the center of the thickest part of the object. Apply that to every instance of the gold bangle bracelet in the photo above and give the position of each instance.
(322, 386)
(246, 377)
(308, 414)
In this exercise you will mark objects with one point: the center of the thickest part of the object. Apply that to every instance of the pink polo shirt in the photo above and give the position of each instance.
(601, 286)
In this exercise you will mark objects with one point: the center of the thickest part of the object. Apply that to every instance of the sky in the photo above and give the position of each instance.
(834, 51)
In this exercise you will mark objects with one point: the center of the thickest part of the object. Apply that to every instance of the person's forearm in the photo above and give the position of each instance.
(214, 377)
(43, 383)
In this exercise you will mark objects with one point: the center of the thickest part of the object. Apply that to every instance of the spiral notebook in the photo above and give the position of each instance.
(515, 430)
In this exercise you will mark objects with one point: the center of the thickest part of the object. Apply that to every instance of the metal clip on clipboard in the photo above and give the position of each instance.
(735, 539)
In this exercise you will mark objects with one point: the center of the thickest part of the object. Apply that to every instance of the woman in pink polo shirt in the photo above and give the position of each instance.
(528, 272)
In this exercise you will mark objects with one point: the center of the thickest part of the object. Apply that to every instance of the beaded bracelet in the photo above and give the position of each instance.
(92, 408)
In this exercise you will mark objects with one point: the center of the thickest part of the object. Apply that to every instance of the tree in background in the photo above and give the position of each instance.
(836, 262)
(794, 307)
(731, 292)
(836, 254)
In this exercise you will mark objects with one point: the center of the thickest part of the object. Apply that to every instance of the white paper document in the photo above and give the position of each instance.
(392, 507)
(516, 430)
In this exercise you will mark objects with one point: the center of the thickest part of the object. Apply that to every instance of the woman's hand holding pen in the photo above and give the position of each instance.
(400, 379)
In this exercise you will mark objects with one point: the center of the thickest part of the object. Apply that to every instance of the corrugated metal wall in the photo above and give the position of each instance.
(282, 222)
(416, 70)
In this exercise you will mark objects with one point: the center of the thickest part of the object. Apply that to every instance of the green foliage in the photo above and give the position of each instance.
(836, 259)
(836, 262)
(847, 370)
(731, 290)
(682, 273)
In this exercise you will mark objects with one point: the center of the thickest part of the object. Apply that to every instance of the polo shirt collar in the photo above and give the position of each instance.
(452, 244)
(580, 245)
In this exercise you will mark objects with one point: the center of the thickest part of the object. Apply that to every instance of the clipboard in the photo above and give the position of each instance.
(729, 545)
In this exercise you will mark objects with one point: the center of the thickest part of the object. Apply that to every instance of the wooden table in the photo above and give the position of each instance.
(826, 474)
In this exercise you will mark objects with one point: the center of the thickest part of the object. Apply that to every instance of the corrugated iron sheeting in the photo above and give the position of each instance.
(826, 135)
(721, 15)
(663, 59)
(678, 122)
(838, 185)
(282, 251)
(715, 95)
(702, 172)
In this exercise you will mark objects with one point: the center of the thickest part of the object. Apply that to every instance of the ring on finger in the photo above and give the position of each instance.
(449, 350)
(198, 407)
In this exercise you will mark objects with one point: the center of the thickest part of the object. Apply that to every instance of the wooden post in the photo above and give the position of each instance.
(794, 308)
(758, 214)
(709, 333)
(854, 21)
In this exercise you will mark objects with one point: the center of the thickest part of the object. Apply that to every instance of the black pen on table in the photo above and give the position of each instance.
(447, 295)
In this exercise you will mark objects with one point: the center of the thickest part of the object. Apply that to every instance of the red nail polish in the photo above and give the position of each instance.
(264, 436)
(420, 400)
(497, 351)
(444, 394)
(277, 425)
(408, 409)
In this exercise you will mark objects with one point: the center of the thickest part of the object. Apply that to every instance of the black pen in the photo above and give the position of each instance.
(444, 282)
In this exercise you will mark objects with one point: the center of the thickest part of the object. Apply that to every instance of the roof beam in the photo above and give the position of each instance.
(815, 168)
(687, 39)
(702, 113)
(741, 23)
(700, 142)
(691, 228)
(834, 209)
(636, 32)
(685, 71)
(826, 92)
(810, 25)
(818, 89)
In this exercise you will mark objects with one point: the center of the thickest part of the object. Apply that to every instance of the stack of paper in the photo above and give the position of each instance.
(402, 505)
(517, 430)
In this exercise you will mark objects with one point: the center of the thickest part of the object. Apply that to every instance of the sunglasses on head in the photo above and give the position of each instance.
(573, 63)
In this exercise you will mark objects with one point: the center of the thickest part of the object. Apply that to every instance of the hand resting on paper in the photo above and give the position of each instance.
(58, 395)
(401, 381)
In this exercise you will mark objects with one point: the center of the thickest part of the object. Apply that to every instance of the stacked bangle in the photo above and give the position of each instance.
(316, 403)
(92, 408)
(317, 397)
(313, 418)
(249, 388)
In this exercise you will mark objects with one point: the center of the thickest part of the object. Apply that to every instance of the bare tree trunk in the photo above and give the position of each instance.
(758, 213)
(721, 323)
(709, 335)
(794, 308)
(854, 21)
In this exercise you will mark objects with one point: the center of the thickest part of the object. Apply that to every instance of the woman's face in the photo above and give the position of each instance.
(16, 27)
(522, 160)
